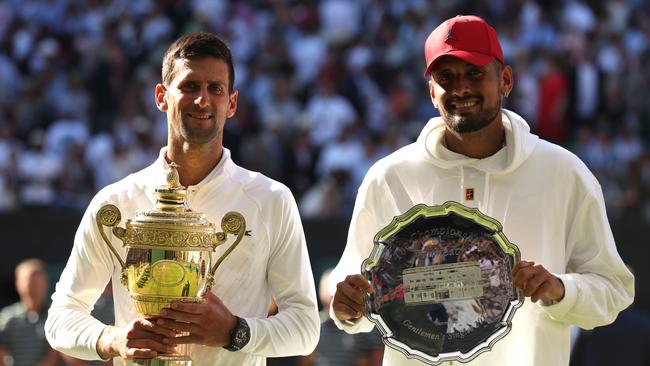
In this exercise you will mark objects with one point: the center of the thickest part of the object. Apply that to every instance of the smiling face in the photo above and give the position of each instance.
(468, 96)
(197, 101)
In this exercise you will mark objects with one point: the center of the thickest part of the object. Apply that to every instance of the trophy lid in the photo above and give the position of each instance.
(170, 222)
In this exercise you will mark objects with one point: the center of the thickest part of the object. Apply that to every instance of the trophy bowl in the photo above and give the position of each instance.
(168, 253)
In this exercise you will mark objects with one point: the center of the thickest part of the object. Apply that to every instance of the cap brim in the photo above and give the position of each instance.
(474, 58)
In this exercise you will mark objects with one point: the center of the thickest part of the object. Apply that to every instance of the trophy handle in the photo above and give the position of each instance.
(232, 223)
(109, 215)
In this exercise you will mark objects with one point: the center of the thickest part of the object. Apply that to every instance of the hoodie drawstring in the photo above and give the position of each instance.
(486, 194)
(462, 184)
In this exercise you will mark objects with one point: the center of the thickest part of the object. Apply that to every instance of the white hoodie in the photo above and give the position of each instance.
(550, 206)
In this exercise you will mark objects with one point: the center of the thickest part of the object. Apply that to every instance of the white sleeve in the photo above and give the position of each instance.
(69, 327)
(363, 227)
(295, 329)
(597, 283)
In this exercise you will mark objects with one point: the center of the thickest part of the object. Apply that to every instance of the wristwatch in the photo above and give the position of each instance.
(239, 336)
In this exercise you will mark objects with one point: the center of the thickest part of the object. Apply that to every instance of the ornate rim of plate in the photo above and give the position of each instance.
(478, 234)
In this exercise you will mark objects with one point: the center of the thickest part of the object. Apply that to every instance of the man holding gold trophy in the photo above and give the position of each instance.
(474, 171)
(176, 280)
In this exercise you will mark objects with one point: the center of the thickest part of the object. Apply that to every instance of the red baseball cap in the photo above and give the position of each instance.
(467, 37)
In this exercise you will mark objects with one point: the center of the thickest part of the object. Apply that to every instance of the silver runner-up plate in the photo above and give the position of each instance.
(442, 279)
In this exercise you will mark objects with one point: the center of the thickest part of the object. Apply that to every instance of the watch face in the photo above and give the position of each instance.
(241, 336)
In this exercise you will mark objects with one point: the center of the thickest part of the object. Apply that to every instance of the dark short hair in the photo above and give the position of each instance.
(197, 45)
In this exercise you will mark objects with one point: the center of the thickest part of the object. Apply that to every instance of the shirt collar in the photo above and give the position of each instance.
(156, 173)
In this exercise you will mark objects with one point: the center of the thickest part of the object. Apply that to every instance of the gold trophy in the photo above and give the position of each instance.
(169, 254)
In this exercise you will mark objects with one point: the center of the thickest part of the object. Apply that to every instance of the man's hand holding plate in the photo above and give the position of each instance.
(348, 303)
(537, 282)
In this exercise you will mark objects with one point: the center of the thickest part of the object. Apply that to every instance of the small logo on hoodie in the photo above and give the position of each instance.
(469, 194)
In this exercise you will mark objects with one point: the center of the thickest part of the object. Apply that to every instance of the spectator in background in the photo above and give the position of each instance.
(307, 48)
(281, 110)
(329, 113)
(22, 333)
(585, 88)
(340, 20)
(552, 119)
(324, 199)
(75, 181)
(9, 149)
(38, 171)
(345, 152)
(64, 133)
(524, 97)
(300, 161)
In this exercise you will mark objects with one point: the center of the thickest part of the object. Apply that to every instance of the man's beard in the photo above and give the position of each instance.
(200, 135)
(471, 122)
(194, 131)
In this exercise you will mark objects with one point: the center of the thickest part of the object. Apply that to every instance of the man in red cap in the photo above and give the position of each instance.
(483, 156)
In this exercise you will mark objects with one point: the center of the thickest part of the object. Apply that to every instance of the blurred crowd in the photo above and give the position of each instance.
(326, 88)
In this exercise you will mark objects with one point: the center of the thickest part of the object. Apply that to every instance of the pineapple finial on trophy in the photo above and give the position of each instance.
(171, 195)
(173, 179)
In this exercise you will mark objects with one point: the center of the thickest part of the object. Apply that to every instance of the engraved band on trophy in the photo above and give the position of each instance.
(442, 280)
(168, 254)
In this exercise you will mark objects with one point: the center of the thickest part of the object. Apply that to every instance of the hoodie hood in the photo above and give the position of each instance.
(520, 143)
